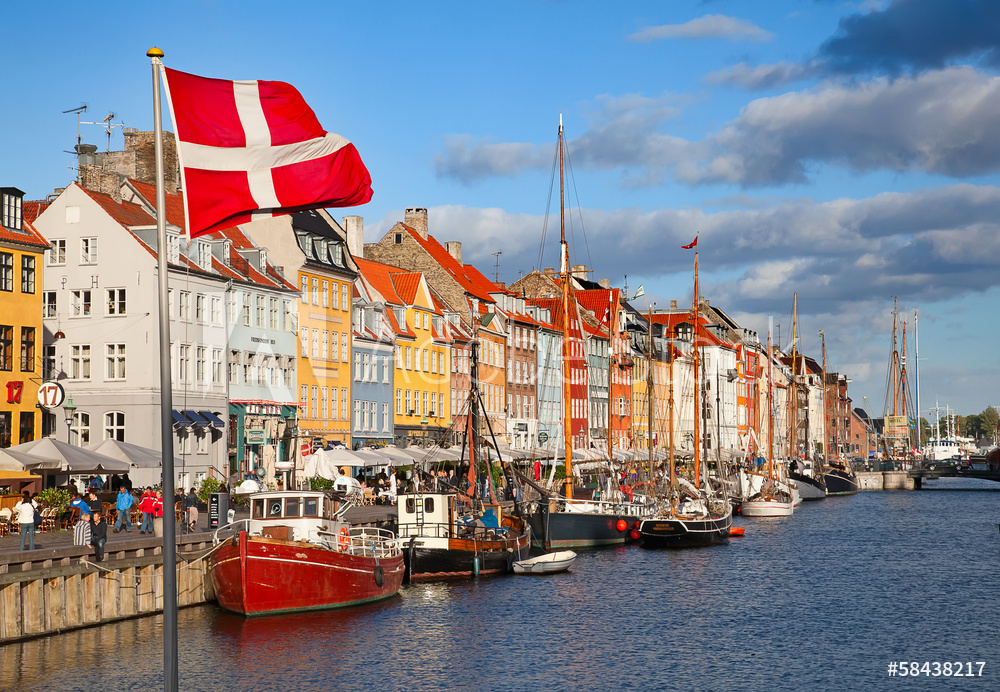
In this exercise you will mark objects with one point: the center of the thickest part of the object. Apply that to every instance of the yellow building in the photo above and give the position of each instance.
(21, 364)
(422, 373)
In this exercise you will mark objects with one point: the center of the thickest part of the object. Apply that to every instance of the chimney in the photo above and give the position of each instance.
(354, 226)
(549, 271)
(580, 271)
(604, 283)
(673, 304)
(416, 218)
(454, 248)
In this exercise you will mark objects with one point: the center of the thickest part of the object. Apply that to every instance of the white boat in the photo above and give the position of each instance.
(766, 506)
(546, 564)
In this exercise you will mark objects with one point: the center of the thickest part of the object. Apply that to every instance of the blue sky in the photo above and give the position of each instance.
(848, 151)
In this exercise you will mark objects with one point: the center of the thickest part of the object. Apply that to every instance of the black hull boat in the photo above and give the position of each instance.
(558, 530)
(809, 488)
(841, 481)
(463, 558)
(678, 532)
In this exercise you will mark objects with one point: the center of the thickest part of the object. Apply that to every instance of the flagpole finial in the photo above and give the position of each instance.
(154, 52)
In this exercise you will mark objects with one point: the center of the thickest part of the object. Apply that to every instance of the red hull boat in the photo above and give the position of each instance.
(288, 563)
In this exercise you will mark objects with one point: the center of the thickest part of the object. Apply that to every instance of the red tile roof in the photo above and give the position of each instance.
(467, 276)
(174, 202)
(26, 236)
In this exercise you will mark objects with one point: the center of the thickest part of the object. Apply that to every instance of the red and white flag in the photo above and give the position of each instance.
(693, 243)
(255, 148)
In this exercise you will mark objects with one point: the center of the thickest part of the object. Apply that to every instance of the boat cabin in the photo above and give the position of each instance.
(292, 515)
(440, 514)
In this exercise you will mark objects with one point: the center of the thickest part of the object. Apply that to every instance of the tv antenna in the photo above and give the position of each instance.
(78, 110)
(496, 271)
(108, 125)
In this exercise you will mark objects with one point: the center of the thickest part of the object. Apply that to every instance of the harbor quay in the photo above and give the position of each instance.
(59, 587)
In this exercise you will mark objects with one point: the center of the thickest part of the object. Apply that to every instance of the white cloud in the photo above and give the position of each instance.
(709, 26)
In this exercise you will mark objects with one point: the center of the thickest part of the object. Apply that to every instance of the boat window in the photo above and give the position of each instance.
(310, 507)
(274, 508)
(292, 507)
(410, 507)
(428, 504)
(258, 509)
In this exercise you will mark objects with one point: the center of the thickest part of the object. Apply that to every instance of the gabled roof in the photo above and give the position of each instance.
(670, 320)
(28, 235)
(379, 277)
(174, 202)
(467, 276)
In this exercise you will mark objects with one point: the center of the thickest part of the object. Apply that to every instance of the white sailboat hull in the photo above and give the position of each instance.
(766, 508)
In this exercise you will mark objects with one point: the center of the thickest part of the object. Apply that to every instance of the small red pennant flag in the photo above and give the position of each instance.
(694, 243)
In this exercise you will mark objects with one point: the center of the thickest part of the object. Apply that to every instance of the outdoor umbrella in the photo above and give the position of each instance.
(70, 458)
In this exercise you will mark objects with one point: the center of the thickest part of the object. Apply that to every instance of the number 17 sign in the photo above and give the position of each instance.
(51, 395)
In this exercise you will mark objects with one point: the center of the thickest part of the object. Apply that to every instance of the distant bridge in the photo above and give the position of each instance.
(974, 467)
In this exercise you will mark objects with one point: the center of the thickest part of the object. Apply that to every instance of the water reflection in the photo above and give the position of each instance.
(822, 599)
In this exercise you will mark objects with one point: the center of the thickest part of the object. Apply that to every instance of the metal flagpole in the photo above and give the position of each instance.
(170, 667)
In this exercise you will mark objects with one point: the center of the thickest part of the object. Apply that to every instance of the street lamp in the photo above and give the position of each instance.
(69, 411)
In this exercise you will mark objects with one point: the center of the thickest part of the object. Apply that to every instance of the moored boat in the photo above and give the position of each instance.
(296, 553)
(550, 563)
(841, 480)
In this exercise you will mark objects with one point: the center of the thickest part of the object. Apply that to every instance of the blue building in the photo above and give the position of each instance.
(372, 371)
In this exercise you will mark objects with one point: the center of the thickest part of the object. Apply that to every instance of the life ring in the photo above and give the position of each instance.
(379, 575)
(344, 540)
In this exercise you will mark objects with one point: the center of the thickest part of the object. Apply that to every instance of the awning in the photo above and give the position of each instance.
(215, 421)
(180, 420)
(196, 420)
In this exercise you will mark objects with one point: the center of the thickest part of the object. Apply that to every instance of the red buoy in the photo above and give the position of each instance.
(635, 534)
(622, 525)
(737, 531)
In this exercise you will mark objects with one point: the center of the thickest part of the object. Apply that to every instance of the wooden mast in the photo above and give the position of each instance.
(697, 385)
(670, 430)
(770, 407)
(612, 358)
(826, 411)
(649, 395)
(793, 406)
(566, 347)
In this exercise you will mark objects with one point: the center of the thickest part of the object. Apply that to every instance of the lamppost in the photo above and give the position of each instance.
(69, 411)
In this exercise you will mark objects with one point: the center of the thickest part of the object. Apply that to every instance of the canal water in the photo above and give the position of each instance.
(825, 599)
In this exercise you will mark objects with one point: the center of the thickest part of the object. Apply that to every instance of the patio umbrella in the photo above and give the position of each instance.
(70, 458)
(140, 457)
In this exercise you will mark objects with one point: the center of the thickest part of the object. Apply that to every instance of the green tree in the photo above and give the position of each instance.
(207, 487)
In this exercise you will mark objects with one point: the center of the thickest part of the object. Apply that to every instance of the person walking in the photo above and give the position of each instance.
(123, 503)
(98, 536)
(191, 506)
(25, 512)
(146, 507)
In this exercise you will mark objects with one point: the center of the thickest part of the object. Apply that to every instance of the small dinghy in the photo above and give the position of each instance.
(546, 564)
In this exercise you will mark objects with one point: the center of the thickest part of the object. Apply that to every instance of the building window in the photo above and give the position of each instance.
(345, 293)
(114, 426)
(334, 345)
(304, 396)
(343, 402)
(273, 313)
(27, 274)
(315, 291)
(216, 310)
(357, 367)
(261, 312)
(326, 294)
(6, 347)
(27, 349)
(199, 308)
(315, 343)
(5, 423)
(199, 364)
(426, 365)
(385, 369)
(48, 304)
(409, 358)
(324, 345)
(357, 414)
(173, 248)
(344, 348)
(80, 303)
(399, 402)
(79, 362)
(57, 253)
(246, 309)
(88, 250)
(27, 430)
(116, 301)
(79, 429)
(6, 271)
(10, 209)
(216, 366)
(184, 362)
(304, 338)
(48, 362)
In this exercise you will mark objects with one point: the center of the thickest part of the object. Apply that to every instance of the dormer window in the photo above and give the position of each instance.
(11, 200)
(204, 255)
(337, 254)
(173, 248)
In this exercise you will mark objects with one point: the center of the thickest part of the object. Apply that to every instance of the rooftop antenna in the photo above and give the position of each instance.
(108, 125)
(496, 272)
(77, 110)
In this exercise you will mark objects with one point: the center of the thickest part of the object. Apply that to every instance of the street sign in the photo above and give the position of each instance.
(51, 395)
(255, 436)
(543, 437)
(306, 448)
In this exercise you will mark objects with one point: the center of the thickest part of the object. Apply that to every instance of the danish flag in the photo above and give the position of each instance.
(255, 148)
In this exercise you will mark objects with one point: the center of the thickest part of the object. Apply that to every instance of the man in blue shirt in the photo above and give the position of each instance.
(123, 502)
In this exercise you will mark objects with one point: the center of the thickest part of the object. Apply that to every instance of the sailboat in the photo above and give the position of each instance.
(454, 535)
(691, 514)
(839, 477)
(774, 499)
(802, 475)
(563, 521)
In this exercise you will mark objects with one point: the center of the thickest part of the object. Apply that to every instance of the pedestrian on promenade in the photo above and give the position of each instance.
(124, 505)
(81, 529)
(25, 512)
(146, 507)
(98, 536)
(191, 507)
(158, 505)
(93, 502)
